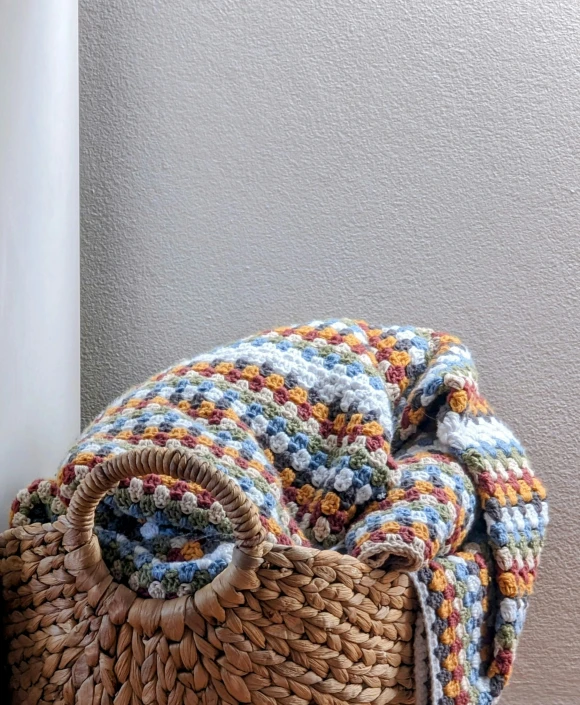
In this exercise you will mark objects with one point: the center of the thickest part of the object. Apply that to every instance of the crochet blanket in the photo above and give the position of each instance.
(370, 440)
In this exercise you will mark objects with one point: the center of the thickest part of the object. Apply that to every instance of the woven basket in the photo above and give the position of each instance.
(280, 625)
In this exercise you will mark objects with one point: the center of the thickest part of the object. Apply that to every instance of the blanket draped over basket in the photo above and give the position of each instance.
(373, 441)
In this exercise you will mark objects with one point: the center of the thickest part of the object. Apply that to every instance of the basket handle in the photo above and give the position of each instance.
(177, 463)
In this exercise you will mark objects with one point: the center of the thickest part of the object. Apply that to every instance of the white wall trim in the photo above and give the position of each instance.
(39, 240)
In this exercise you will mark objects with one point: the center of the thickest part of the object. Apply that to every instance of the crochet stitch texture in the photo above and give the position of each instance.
(371, 440)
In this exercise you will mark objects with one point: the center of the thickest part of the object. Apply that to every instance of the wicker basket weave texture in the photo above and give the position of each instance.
(279, 626)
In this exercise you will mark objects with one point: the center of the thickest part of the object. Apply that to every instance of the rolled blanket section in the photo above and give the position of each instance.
(370, 440)
(428, 513)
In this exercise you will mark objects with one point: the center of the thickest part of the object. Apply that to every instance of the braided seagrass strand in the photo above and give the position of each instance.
(172, 462)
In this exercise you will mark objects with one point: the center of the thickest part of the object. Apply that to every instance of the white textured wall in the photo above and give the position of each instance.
(246, 164)
(39, 241)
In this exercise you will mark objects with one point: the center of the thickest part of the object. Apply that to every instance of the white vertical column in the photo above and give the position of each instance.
(39, 240)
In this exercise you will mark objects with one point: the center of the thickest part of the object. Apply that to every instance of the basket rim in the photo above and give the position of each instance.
(148, 614)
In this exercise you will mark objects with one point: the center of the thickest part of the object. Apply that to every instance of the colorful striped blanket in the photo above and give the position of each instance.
(371, 440)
